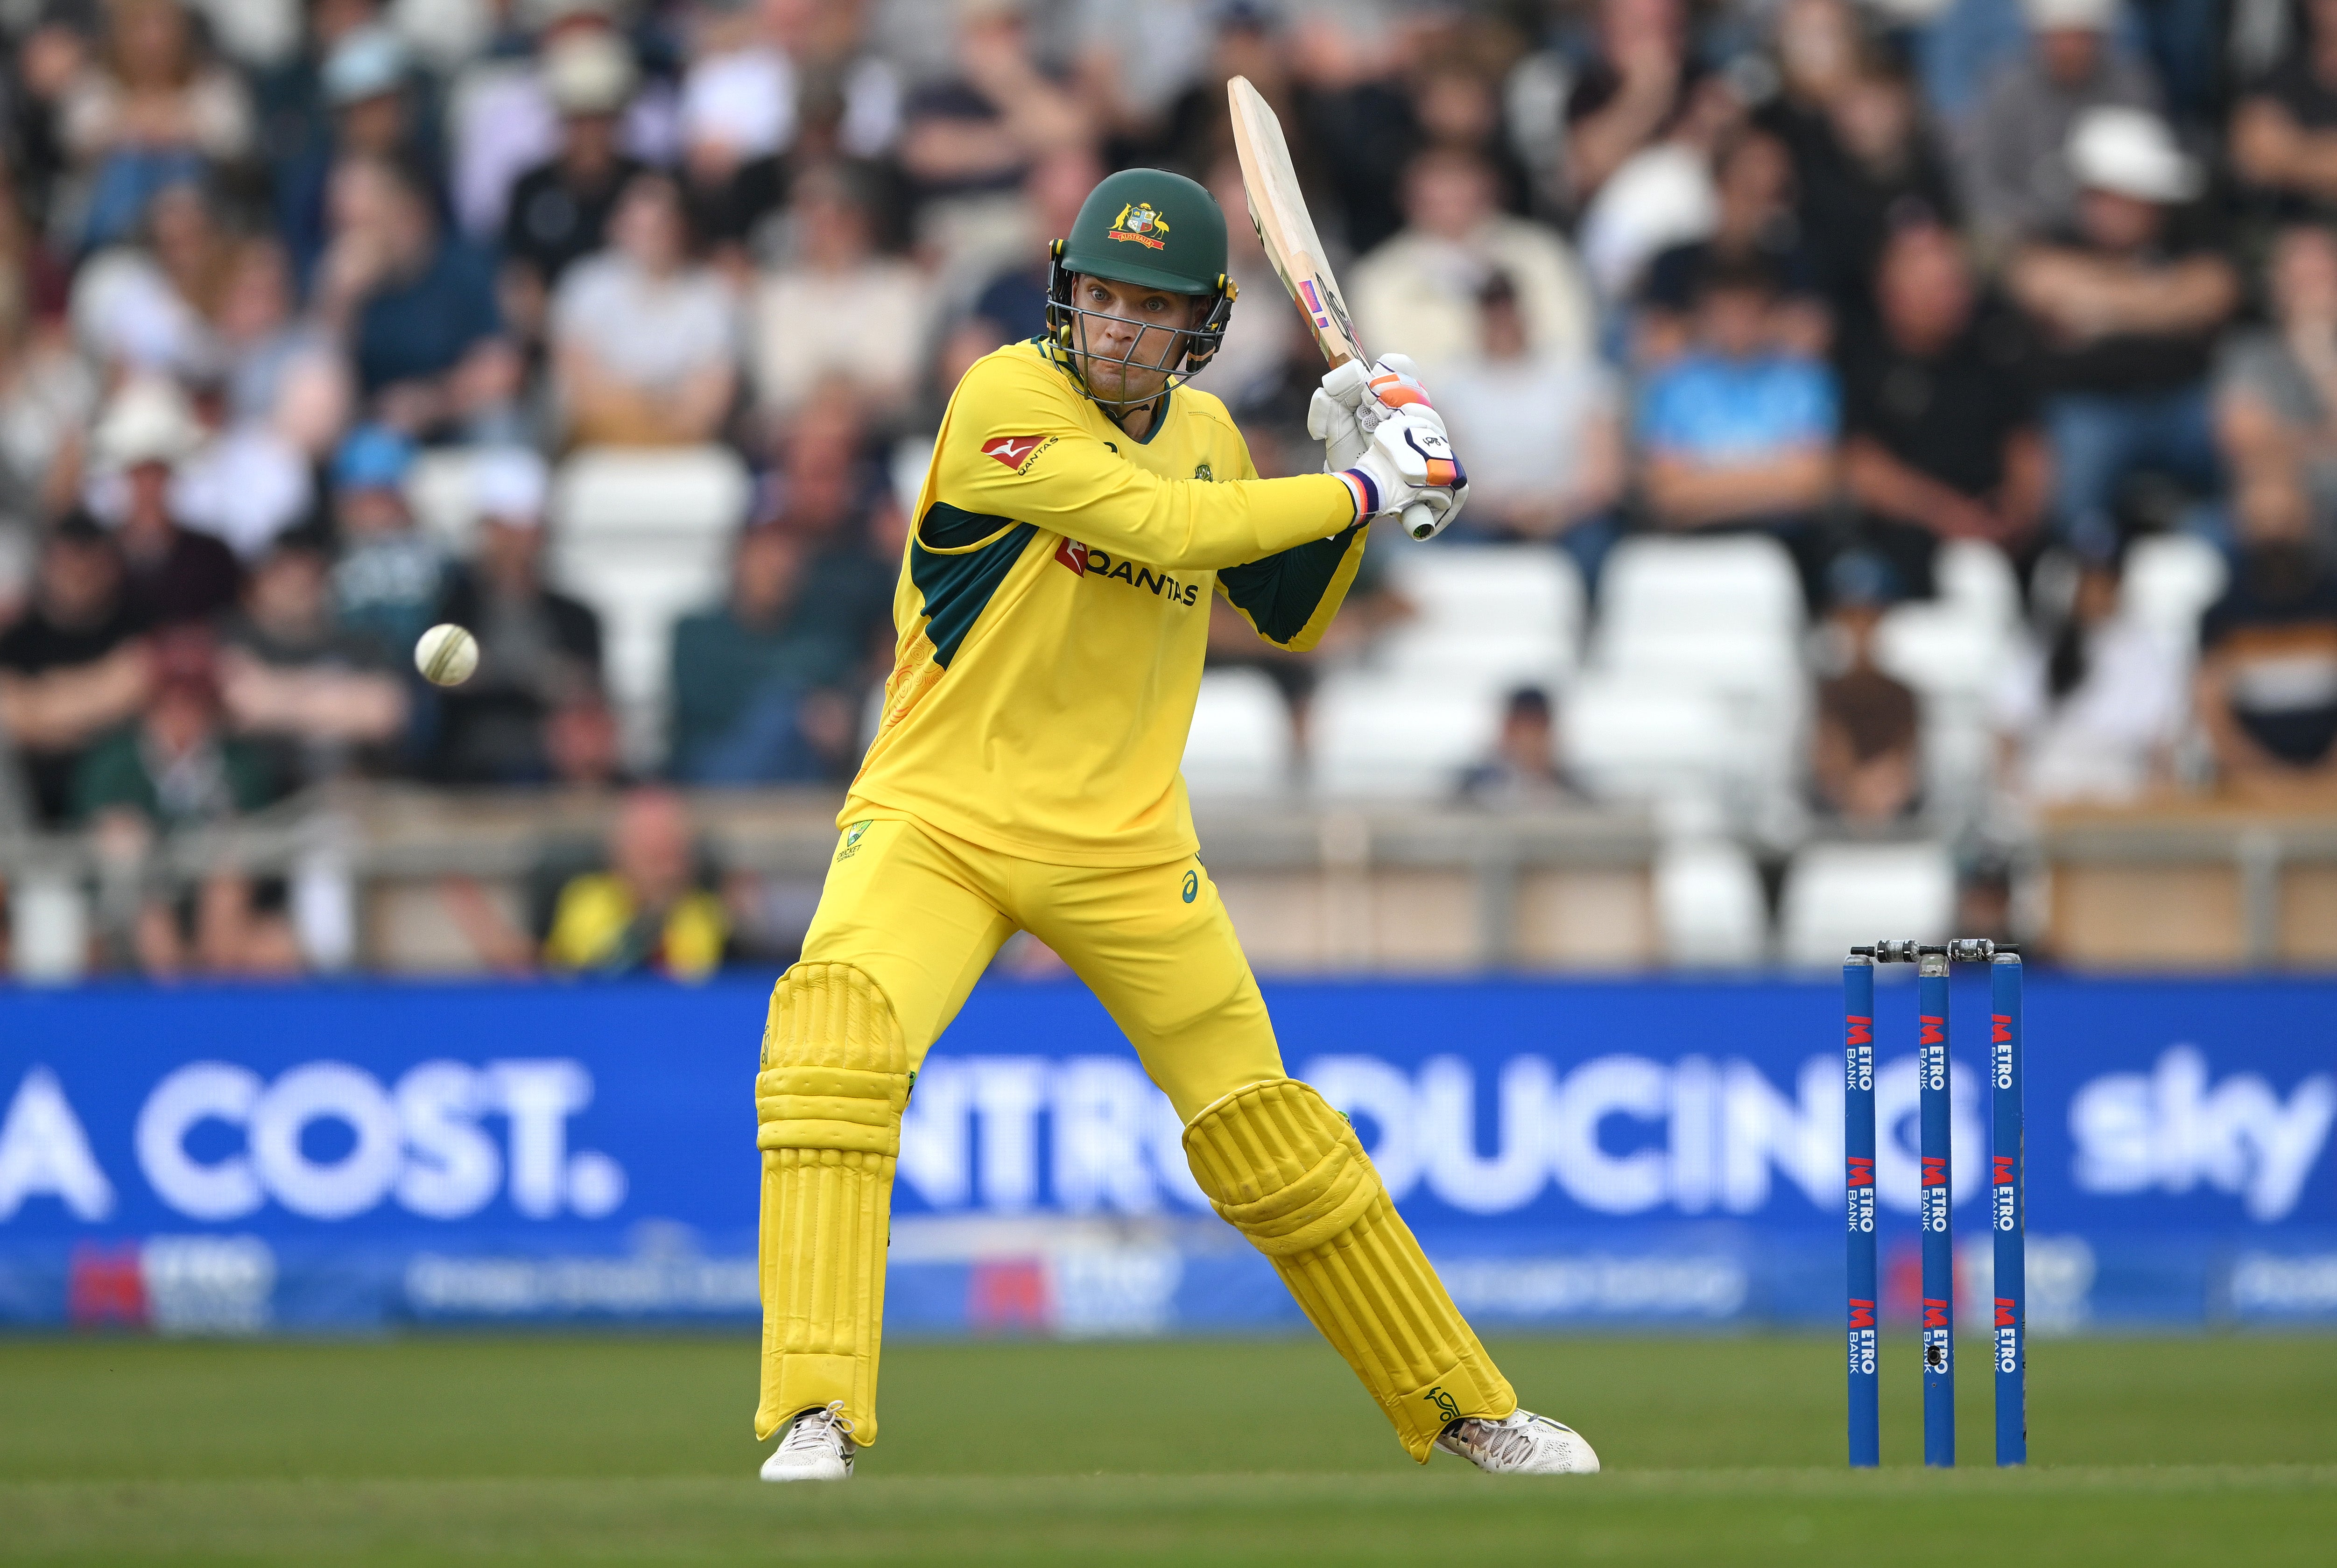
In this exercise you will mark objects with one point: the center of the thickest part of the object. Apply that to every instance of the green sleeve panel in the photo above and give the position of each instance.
(1289, 597)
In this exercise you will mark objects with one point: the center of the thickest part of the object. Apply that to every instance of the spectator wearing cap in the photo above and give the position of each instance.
(539, 651)
(73, 667)
(2266, 688)
(838, 310)
(1738, 433)
(559, 210)
(319, 700)
(1941, 434)
(2276, 385)
(1523, 771)
(1420, 288)
(643, 336)
(389, 578)
(2017, 178)
(150, 110)
(174, 770)
(2127, 302)
(1866, 744)
(171, 575)
(2093, 710)
(416, 307)
(373, 95)
(1543, 432)
(2284, 141)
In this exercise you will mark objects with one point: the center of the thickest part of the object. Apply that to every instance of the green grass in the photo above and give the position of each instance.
(616, 1449)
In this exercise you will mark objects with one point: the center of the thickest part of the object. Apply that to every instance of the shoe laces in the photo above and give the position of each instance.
(1497, 1442)
(812, 1428)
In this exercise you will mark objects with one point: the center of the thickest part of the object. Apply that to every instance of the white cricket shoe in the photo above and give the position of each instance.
(1520, 1444)
(817, 1446)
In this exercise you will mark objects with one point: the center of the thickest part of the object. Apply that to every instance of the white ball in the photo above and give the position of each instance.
(447, 655)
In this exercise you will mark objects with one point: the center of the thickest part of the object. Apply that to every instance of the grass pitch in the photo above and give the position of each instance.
(620, 1449)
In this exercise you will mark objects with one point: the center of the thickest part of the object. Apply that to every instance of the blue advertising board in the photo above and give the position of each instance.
(1642, 1152)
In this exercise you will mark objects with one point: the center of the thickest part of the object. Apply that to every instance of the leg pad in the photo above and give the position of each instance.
(1289, 1173)
(835, 1080)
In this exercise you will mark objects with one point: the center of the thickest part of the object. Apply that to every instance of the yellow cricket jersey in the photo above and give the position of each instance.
(1053, 613)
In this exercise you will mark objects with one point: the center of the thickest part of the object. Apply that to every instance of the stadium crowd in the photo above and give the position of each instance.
(1873, 281)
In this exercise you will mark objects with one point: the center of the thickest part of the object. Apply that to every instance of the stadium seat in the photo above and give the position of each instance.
(1974, 575)
(1954, 653)
(1637, 738)
(2171, 578)
(1664, 582)
(1838, 895)
(438, 491)
(1484, 615)
(644, 537)
(1241, 744)
(1709, 906)
(1384, 737)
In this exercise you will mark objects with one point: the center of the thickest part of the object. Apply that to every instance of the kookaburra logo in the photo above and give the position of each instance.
(1446, 1405)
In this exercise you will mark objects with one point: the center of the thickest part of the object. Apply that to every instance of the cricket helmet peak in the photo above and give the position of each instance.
(1153, 230)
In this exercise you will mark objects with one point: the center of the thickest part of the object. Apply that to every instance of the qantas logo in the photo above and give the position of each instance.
(1074, 555)
(1016, 451)
(1084, 561)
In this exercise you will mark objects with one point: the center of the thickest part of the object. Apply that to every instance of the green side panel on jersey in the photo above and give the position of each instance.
(1281, 592)
(957, 588)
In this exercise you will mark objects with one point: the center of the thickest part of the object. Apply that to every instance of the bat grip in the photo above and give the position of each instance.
(1419, 521)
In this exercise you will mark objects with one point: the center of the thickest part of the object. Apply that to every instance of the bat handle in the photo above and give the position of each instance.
(1419, 521)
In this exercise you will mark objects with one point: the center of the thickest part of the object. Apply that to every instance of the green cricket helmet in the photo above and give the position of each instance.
(1154, 230)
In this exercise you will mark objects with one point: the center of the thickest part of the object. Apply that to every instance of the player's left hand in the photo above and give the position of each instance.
(1354, 401)
(1409, 462)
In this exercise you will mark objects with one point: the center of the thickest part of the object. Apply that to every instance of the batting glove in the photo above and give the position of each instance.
(1409, 467)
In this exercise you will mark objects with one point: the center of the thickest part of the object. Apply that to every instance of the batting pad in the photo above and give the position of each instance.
(828, 1105)
(1287, 1172)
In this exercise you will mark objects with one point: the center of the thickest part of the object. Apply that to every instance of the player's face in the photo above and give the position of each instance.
(1131, 337)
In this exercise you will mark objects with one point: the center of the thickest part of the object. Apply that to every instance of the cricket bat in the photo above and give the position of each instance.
(1278, 213)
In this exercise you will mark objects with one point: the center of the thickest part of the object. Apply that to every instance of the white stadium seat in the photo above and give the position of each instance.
(1484, 615)
(1709, 906)
(644, 537)
(1629, 738)
(1241, 744)
(1382, 737)
(2170, 581)
(1840, 895)
(1745, 581)
(1975, 575)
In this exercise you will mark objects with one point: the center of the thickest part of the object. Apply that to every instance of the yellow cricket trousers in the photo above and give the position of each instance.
(908, 920)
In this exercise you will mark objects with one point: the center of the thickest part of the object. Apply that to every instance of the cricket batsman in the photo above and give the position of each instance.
(1083, 505)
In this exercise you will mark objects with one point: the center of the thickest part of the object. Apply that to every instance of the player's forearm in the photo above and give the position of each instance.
(1202, 526)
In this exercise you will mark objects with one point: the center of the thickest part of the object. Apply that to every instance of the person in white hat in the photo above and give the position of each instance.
(2016, 182)
(2128, 300)
(174, 575)
(559, 210)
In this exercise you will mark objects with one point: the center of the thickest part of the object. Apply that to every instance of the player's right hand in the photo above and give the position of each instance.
(1410, 460)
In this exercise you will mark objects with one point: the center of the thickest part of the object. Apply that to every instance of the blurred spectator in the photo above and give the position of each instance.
(2093, 711)
(1543, 432)
(978, 129)
(2283, 142)
(1739, 432)
(582, 743)
(2018, 181)
(1419, 288)
(649, 911)
(1878, 169)
(2128, 302)
(417, 306)
(72, 668)
(315, 698)
(738, 92)
(390, 576)
(1865, 751)
(148, 306)
(2276, 385)
(1819, 49)
(148, 111)
(369, 87)
(760, 685)
(505, 108)
(176, 769)
(1662, 196)
(1754, 179)
(643, 338)
(1638, 81)
(1941, 437)
(2267, 682)
(1013, 305)
(1523, 771)
(559, 210)
(539, 651)
(48, 392)
(171, 574)
(835, 309)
